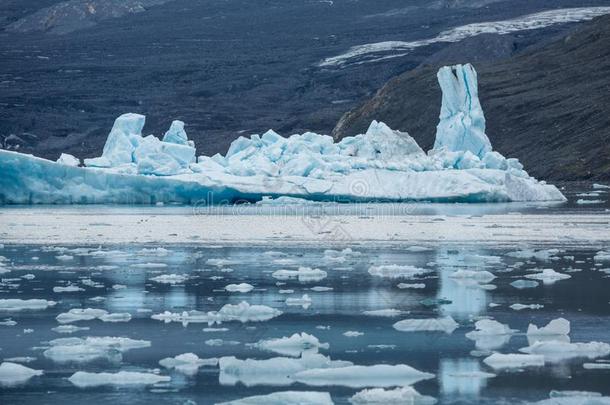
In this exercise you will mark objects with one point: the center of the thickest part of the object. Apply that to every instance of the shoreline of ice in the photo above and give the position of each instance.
(381, 165)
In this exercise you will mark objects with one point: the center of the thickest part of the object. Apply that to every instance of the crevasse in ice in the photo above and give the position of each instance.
(379, 165)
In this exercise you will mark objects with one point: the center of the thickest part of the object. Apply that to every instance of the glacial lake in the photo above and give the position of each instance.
(147, 277)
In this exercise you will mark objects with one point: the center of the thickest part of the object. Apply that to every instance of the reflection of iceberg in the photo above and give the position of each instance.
(462, 377)
(381, 164)
(467, 299)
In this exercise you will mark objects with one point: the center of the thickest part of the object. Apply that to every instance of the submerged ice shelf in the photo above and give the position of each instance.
(380, 165)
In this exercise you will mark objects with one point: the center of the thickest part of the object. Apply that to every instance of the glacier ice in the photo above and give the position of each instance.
(462, 123)
(462, 167)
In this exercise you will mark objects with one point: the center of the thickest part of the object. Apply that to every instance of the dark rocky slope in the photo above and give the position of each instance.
(549, 106)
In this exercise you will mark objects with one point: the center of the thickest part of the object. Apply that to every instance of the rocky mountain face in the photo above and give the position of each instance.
(73, 15)
(549, 106)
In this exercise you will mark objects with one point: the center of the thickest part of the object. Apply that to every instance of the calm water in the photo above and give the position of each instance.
(119, 279)
(583, 300)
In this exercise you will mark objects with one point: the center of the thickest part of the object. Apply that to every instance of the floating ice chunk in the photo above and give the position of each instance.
(480, 276)
(66, 350)
(353, 333)
(403, 286)
(68, 160)
(519, 307)
(559, 326)
(597, 186)
(397, 271)
(148, 265)
(490, 334)
(69, 288)
(489, 327)
(542, 254)
(462, 123)
(15, 374)
(69, 328)
(397, 396)
(277, 371)
(602, 256)
(303, 274)
(522, 284)
(320, 288)
(284, 200)
(242, 312)
(89, 314)
(64, 258)
(499, 360)
(84, 379)
(447, 325)
(581, 201)
(20, 359)
(304, 301)
(15, 304)
(285, 398)
(558, 351)
(596, 366)
(548, 276)
(170, 278)
(241, 287)
(293, 346)
(390, 312)
(187, 363)
(379, 375)
(574, 398)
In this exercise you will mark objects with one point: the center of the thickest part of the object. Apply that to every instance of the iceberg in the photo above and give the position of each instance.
(379, 165)
(401, 395)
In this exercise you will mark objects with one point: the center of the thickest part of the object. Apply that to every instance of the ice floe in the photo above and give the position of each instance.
(242, 312)
(170, 278)
(285, 398)
(559, 326)
(556, 351)
(241, 287)
(446, 324)
(15, 374)
(396, 396)
(303, 274)
(89, 314)
(278, 371)
(293, 346)
(187, 363)
(389, 313)
(379, 375)
(548, 276)
(85, 379)
(574, 398)
(397, 271)
(15, 304)
(79, 350)
(513, 360)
